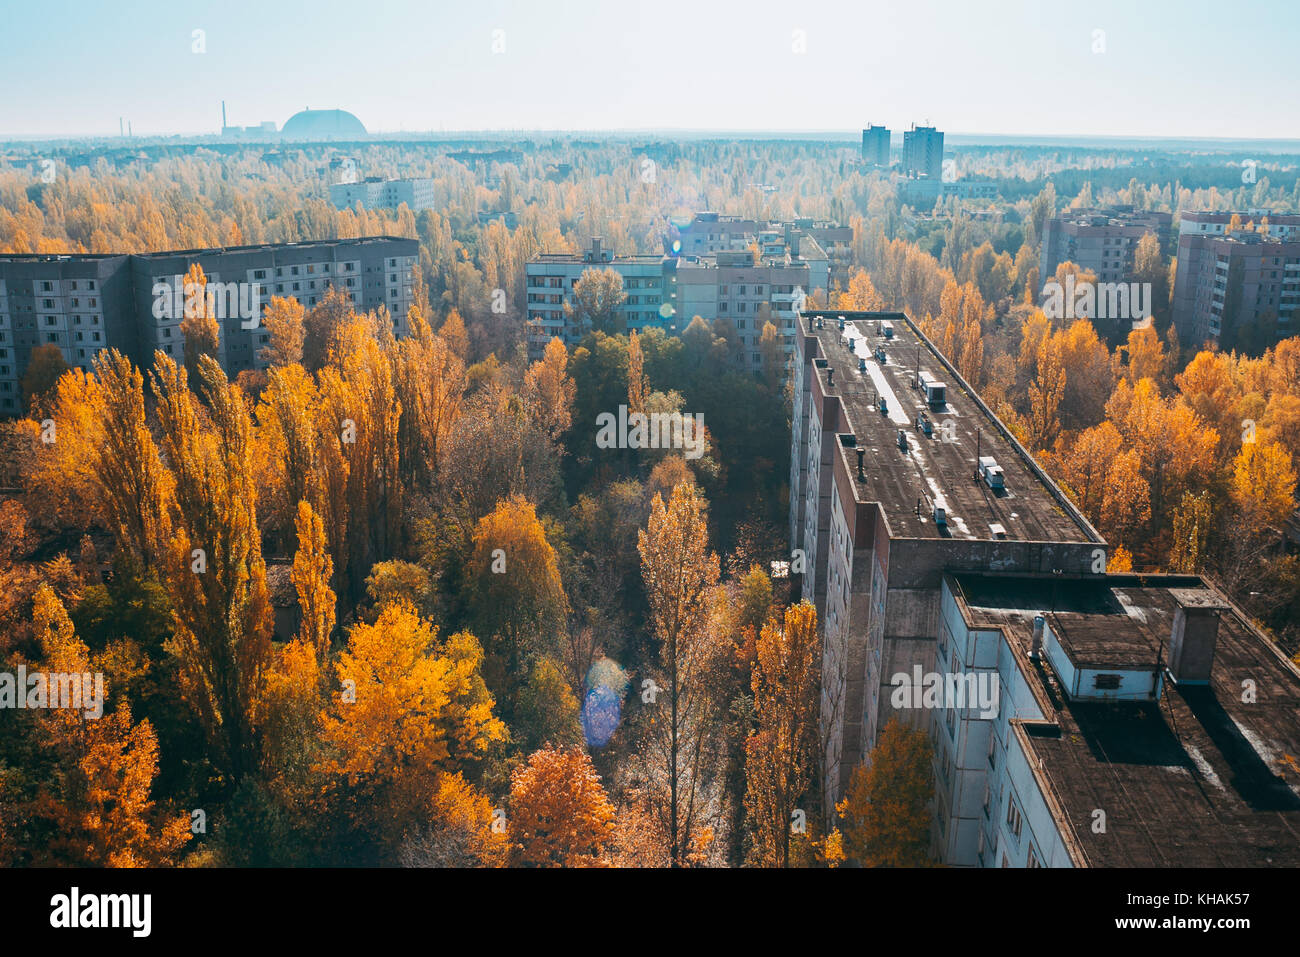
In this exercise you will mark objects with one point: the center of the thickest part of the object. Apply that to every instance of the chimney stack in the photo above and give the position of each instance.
(862, 477)
(830, 378)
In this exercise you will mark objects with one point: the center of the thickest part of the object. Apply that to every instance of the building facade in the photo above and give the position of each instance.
(1102, 241)
(668, 292)
(923, 152)
(885, 499)
(1078, 718)
(875, 145)
(375, 193)
(135, 303)
(1235, 288)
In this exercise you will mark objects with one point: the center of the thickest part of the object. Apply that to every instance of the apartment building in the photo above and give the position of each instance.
(82, 304)
(1078, 718)
(875, 145)
(1236, 288)
(1281, 226)
(667, 292)
(899, 475)
(1140, 721)
(135, 303)
(551, 277)
(923, 152)
(804, 238)
(730, 286)
(375, 193)
(1100, 240)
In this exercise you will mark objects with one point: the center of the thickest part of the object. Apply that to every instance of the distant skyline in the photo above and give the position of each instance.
(1191, 70)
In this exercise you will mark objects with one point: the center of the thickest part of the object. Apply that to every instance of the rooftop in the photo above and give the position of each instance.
(216, 250)
(1197, 778)
(939, 469)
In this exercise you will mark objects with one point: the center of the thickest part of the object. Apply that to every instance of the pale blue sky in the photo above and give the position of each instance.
(1195, 69)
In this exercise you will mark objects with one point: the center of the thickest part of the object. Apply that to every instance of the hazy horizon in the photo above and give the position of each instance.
(499, 67)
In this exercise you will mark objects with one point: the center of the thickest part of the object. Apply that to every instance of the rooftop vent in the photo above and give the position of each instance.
(1194, 635)
(997, 531)
(862, 453)
(940, 516)
(1036, 643)
(991, 472)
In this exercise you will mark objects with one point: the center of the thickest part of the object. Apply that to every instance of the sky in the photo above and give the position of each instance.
(1145, 68)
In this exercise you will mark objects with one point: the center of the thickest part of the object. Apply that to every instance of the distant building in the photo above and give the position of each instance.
(322, 125)
(1239, 289)
(1283, 226)
(925, 192)
(875, 145)
(84, 304)
(1102, 241)
(375, 193)
(806, 239)
(923, 152)
(549, 282)
(667, 292)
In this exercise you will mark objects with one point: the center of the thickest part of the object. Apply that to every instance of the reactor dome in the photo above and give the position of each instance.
(323, 124)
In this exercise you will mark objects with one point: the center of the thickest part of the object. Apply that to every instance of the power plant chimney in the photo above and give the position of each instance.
(223, 116)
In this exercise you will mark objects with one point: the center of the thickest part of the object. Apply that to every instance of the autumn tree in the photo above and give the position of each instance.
(284, 321)
(1263, 485)
(781, 755)
(199, 326)
(679, 573)
(99, 806)
(559, 813)
(214, 568)
(517, 598)
(550, 391)
(885, 812)
(44, 367)
(597, 296)
(312, 571)
(408, 708)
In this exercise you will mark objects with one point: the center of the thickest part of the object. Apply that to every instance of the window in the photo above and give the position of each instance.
(1033, 862)
(1014, 820)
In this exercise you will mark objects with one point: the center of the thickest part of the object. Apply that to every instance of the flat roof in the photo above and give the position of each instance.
(939, 469)
(213, 251)
(1200, 778)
